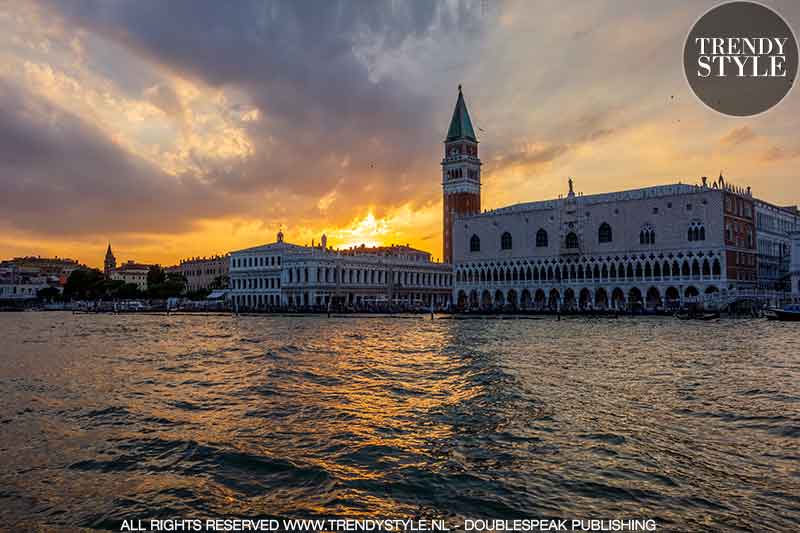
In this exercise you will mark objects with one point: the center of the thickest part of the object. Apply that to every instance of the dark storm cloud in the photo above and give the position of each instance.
(298, 63)
(61, 176)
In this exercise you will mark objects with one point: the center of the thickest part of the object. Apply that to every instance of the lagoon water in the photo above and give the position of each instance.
(105, 418)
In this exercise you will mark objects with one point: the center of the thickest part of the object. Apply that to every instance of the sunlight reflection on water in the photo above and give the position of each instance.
(113, 417)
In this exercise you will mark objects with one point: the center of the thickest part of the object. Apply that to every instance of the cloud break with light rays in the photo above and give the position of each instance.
(190, 128)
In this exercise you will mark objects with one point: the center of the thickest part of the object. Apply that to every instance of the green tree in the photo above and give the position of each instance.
(170, 286)
(220, 282)
(84, 284)
(199, 294)
(49, 294)
(155, 276)
(128, 291)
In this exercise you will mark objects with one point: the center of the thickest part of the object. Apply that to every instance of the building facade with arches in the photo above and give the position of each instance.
(651, 248)
(794, 272)
(281, 274)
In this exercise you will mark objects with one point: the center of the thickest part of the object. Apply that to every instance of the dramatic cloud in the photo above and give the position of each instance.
(188, 127)
(61, 176)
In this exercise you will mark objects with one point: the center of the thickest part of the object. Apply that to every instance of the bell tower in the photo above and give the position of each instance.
(110, 262)
(461, 173)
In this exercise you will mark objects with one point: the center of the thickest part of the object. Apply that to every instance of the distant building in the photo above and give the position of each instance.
(131, 272)
(283, 274)
(55, 269)
(19, 284)
(109, 263)
(773, 227)
(794, 270)
(128, 272)
(203, 272)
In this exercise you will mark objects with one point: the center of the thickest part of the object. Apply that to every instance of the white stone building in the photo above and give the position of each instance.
(773, 226)
(655, 247)
(288, 275)
(366, 276)
(255, 274)
(794, 271)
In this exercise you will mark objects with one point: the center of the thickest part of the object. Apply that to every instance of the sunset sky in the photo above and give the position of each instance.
(186, 128)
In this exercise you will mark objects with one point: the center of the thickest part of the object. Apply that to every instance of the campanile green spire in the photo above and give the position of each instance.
(460, 124)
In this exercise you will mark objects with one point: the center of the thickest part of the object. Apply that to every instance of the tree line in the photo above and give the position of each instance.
(92, 284)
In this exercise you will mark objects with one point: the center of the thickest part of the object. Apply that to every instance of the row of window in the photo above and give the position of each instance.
(696, 232)
(776, 224)
(201, 272)
(667, 270)
(739, 234)
(250, 262)
(256, 283)
(459, 173)
(368, 277)
(738, 206)
(257, 300)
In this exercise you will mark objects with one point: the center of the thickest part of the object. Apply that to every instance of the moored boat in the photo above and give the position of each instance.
(790, 313)
(697, 316)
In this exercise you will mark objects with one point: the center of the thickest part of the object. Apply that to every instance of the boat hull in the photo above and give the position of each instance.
(787, 316)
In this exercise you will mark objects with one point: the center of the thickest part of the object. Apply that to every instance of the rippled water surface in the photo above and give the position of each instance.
(105, 418)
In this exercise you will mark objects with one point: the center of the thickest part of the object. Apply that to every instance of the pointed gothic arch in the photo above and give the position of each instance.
(571, 240)
(474, 243)
(506, 243)
(541, 238)
(604, 233)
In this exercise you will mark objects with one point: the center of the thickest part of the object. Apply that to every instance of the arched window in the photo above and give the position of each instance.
(541, 238)
(647, 235)
(572, 240)
(604, 233)
(697, 231)
(474, 244)
(505, 241)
